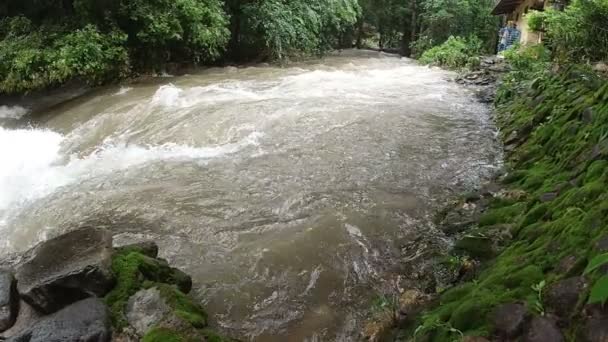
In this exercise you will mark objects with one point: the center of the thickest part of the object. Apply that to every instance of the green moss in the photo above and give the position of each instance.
(159, 334)
(535, 214)
(457, 292)
(506, 214)
(561, 153)
(129, 280)
(133, 272)
(183, 306)
(469, 313)
(476, 246)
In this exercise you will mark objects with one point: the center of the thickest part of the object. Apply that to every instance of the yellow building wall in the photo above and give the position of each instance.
(519, 17)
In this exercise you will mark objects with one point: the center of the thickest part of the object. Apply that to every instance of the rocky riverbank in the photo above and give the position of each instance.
(529, 253)
(78, 287)
(535, 235)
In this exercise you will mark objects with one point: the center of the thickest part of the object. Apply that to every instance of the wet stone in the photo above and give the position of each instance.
(146, 309)
(563, 296)
(595, 330)
(26, 317)
(67, 269)
(587, 115)
(542, 329)
(411, 302)
(567, 264)
(8, 300)
(86, 320)
(547, 197)
(602, 245)
(509, 319)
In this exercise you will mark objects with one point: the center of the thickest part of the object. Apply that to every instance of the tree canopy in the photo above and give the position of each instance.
(44, 43)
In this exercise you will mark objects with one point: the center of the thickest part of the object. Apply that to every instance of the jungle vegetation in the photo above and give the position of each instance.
(45, 43)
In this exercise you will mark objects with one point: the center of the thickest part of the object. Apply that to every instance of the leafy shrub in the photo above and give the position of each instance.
(579, 32)
(599, 291)
(527, 64)
(421, 45)
(536, 20)
(444, 18)
(173, 30)
(285, 27)
(454, 53)
(528, 60)
(45, 58)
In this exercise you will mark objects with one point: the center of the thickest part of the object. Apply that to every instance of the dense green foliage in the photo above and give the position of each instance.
(45, 43)
(441, 19)
(579, 33)
(32, 58)
(280, 28)
(419, 25)
(454, 53)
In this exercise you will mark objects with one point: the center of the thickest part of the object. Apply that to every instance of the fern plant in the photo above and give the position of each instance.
(599, 291)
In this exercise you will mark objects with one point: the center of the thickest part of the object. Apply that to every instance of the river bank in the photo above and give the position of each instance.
(78, 287)
(522, 246)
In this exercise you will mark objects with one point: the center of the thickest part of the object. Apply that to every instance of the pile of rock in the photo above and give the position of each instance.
(485, 78)
(77, 287)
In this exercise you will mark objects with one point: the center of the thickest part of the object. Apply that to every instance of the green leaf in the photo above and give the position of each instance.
(597, 262)
(599, 292)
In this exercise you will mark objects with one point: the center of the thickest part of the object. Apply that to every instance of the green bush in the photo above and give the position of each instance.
(48, 56)
(536, 20)
(283, 28)
(454, 53)
(527, 64)
(578, 33)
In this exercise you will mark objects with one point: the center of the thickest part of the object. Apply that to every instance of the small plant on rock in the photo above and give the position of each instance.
(436, 324)
(599, 291)
(538, 303)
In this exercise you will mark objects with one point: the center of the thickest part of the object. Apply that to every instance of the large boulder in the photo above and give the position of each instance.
(9, 300)
(595, 330)
(67, 269)
(542, 329)
(563, 296)
(509, 320)
(86, 320)
(26, 317)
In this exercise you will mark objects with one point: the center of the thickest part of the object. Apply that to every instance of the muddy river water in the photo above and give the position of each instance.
(287, 193)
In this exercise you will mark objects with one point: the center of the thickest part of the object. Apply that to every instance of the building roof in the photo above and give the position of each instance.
(506, 6)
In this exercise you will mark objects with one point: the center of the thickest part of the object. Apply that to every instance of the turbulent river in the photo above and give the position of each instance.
(289, 194)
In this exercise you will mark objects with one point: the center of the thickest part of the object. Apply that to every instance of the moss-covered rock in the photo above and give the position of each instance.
(133, 271)
(558, 152)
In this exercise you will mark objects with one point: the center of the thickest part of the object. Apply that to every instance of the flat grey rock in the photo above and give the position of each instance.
(66, 269)
(9, 300)
(145, 309)
(86, 320)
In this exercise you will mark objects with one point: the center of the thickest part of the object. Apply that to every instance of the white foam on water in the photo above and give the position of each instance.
(33, 165)
(171, 96)
(12, 112)
(123, 91)
(355, 84)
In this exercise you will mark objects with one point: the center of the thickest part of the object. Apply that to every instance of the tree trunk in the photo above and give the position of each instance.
(359, 33)
(413, 26)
